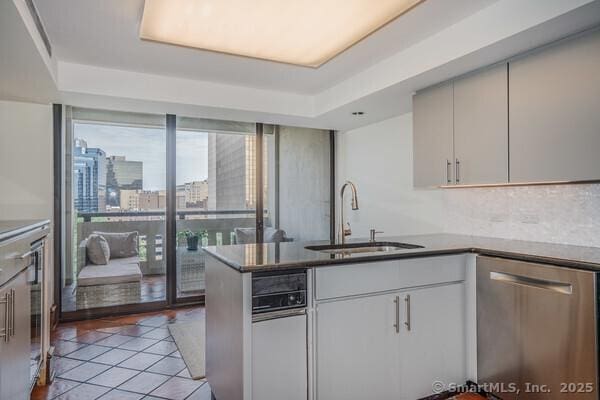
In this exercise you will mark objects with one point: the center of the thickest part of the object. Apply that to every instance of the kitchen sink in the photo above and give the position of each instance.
(364, 247)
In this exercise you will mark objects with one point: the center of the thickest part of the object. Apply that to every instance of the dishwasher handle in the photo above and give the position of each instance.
(559, 287)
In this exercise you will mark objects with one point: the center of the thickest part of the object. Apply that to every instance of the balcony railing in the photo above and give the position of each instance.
(88, 216)
(150, 225)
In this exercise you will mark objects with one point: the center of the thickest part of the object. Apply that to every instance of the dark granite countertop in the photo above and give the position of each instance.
(271, 256)
(10, 229)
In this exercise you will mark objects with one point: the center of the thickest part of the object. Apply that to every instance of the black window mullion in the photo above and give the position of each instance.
(332, 186)
(171, 211)
(58, 206)
(259, 184)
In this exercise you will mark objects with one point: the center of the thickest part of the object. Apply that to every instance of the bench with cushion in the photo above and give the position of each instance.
(118, 281)
(270, 235)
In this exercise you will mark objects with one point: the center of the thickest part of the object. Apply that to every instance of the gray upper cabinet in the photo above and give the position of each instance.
(432, 136)
(555, 113)
(481, 127)
(533, 120)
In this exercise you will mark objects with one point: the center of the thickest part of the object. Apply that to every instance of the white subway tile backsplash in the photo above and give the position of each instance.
(568, 214)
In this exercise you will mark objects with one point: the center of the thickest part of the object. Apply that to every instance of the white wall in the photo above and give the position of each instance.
(25, 160)
(378, 159)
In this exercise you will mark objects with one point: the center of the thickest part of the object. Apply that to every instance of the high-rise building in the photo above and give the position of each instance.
(157, 200)
(231, 171)
(89, 178)
(148, 200)
(196, 193)
(129, 199)
(122, 174)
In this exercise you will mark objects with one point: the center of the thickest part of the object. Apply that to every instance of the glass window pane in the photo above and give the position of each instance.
(117, 214)
(216, 193)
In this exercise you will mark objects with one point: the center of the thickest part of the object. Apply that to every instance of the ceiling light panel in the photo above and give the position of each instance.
(301, 32)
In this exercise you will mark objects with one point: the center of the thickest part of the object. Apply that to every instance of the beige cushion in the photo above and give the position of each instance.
(121, 270)
(122, 244)
(248, 235)
(97, 249)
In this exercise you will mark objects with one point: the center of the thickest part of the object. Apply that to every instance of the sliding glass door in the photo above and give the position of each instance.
(116, 211)
(215, 191)
(144, 196)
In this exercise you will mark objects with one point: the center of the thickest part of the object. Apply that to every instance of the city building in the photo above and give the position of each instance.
(129, 199)
(196, 193)
(151, 200)
(89, 178)
(231, 172)
(122, 174)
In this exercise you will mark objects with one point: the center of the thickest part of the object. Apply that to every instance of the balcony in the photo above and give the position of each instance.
(150, 225)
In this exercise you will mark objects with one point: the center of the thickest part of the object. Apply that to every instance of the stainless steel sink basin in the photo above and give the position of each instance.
(365, 247)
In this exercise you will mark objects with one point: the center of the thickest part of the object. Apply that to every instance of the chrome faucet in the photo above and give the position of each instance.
(372, 234)
(343, 230)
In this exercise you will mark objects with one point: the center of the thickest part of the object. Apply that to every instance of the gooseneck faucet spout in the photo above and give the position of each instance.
(343, 230)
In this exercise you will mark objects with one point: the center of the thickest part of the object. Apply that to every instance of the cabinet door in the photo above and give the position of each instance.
(481, 127)
(432, 136)
(279, 359)
(15, 354)
(433, 350)
(555, 113)
(357, 349)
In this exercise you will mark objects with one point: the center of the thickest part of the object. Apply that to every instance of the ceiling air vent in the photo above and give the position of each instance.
(39, 25)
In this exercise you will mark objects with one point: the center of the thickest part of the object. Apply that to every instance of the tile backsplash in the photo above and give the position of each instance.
(568, 214)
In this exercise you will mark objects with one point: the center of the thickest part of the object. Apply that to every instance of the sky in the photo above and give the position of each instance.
(148, 145)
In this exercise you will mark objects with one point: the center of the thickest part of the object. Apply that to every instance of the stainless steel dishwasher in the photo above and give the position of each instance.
(536, 330)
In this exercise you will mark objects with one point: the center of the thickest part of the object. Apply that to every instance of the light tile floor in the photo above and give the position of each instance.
(126, 358)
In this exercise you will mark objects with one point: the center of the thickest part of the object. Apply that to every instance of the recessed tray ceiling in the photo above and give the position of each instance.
(300, 32)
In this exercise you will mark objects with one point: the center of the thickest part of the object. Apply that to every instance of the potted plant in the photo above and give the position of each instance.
(191, 238)
(204, 237)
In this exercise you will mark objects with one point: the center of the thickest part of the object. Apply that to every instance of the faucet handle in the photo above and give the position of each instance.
(347, 229)
(373, 233)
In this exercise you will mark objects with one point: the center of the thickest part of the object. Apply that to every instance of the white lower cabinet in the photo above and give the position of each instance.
(279, 359)
(361, 353)
(357, 348)
(434, 350)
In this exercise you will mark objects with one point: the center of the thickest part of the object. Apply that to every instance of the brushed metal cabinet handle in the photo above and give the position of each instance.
(407, 305)
(457, 170)
(448, 171)
(397, 324)
(12, 312)
(4, 331)
(25, 255)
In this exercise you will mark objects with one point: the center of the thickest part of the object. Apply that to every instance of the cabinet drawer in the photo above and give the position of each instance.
(356, 279)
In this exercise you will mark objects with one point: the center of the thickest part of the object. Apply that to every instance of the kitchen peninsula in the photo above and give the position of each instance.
(408, 316)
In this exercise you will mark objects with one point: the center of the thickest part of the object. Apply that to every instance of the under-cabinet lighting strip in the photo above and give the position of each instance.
(484, 185)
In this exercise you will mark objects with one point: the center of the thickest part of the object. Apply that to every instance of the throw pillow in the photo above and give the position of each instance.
(98, 251)
(122, 244)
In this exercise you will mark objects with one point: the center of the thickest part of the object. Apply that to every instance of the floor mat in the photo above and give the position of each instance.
(190, 340)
